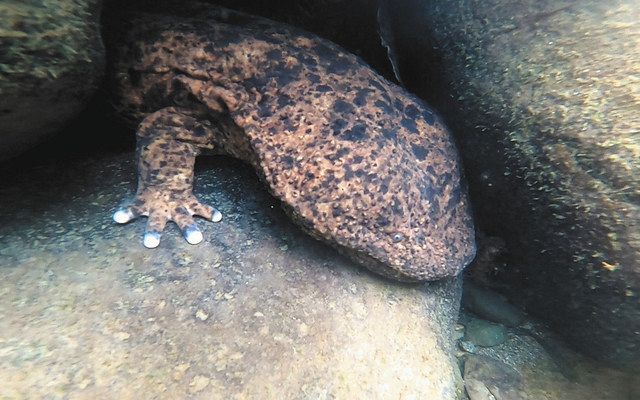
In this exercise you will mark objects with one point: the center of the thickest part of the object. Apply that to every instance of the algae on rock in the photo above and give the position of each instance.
(51, 62)
(544, 98)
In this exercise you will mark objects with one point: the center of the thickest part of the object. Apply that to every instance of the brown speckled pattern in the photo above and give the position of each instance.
(355, 160)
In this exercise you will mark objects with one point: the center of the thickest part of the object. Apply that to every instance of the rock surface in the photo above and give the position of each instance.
(51, 62)
(490, 305)
(486, 378)
(548, 370)
(545, 99)
(259, 310)
(484, 333)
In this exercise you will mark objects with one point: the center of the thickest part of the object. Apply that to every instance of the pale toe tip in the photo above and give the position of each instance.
(151, 240)
(217, 216)
(122, 216)
(193, 235)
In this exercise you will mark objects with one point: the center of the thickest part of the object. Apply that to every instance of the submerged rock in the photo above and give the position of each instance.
(51, 62)
(486, 378)
(259, 310)
(484, 333)
(545, 100)
(490, 305)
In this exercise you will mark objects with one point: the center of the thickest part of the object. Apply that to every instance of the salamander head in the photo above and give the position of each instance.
(400, 209)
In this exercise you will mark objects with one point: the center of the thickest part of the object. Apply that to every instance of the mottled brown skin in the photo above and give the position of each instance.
(355, 160)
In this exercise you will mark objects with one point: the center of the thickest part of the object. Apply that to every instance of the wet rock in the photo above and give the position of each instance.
(486, 378)
(258, 310)
(558, 373)
(490, 305)
(484, 333)
(545, 99)
(555, 349)
(634, 388)
(468, 347)
(51, 62)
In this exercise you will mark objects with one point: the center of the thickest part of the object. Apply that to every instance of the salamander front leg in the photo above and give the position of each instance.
(168, 142)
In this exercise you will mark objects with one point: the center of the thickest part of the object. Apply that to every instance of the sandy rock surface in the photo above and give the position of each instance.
(257, 311)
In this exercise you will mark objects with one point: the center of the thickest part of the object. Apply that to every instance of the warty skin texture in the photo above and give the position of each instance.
(355, 160)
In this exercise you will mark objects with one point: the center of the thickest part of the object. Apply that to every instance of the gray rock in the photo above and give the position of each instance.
(259, 310)
(486, 378)
(634, 388)
(51, 62)
(469, 347)
(545, 99)
(490, 305)
(484, 333)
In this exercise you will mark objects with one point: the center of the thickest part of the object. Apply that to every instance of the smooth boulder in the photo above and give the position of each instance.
(51, 63)
(258, 310)
(544, 98)
(486, 378)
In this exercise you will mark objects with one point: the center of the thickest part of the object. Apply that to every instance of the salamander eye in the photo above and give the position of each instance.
(184, 99)
(180, 99)
(397, 237)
